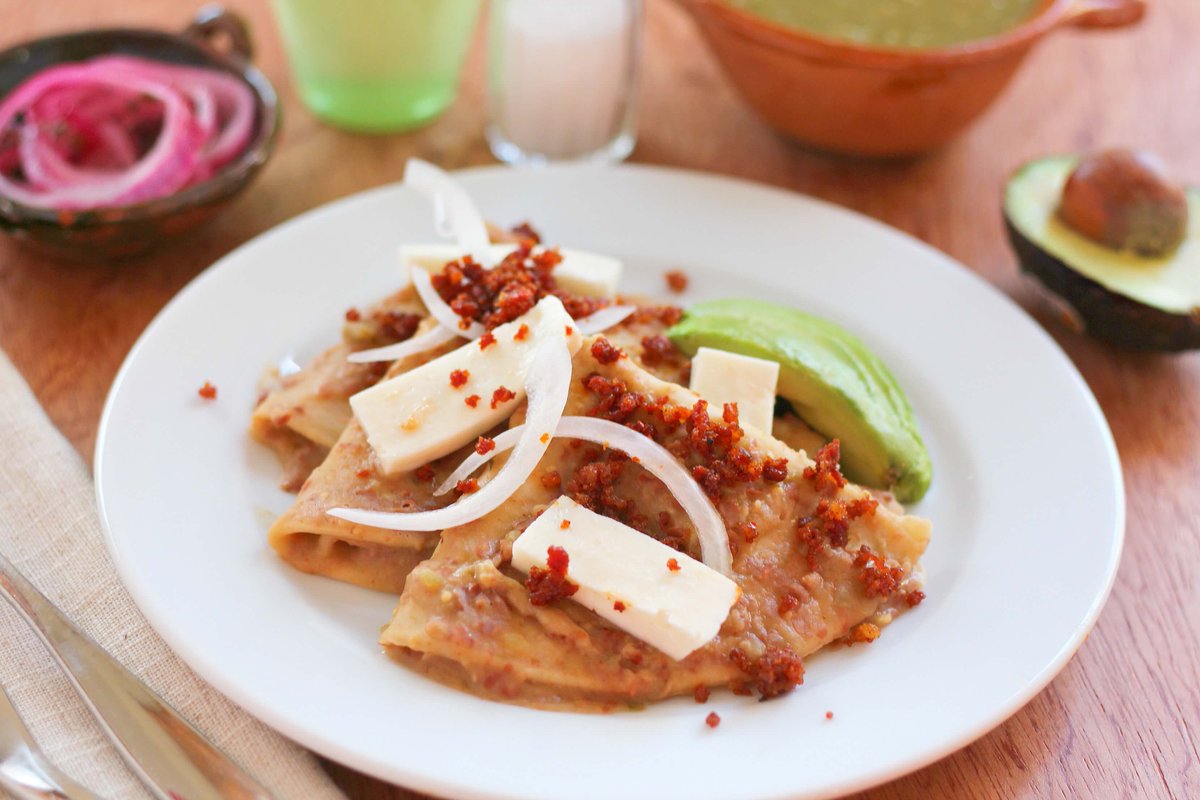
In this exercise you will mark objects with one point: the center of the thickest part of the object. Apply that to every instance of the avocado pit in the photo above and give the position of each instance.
(1125, 200)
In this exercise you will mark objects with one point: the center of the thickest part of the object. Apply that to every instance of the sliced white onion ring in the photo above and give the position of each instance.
(710, 528)
(504, 442)
(439, 309)
(455, 212)
(603, 319)
(409, 347)
(547, 385)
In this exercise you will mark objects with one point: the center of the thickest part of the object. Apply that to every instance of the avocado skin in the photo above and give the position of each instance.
(1106, 315)
(832, 380)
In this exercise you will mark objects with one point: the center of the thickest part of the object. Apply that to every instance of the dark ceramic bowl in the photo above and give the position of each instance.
(217, 39)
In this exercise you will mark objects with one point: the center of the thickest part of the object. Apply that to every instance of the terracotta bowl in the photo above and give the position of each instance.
(879, 101)
(216, 38)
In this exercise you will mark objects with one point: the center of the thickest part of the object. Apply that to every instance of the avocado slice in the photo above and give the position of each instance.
(832, 381)
(1121, 297)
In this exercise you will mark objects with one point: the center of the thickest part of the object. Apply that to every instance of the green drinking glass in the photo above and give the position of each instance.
(377, 66)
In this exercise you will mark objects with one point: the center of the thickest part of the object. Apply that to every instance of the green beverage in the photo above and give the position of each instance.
(377, 65)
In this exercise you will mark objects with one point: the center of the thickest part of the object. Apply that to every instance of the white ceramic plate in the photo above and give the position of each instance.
(1027, 502)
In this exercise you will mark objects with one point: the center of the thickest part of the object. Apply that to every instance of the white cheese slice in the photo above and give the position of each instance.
(676, 611)
(419, 415)
(722, 377)
(580, 273)
(588, 274)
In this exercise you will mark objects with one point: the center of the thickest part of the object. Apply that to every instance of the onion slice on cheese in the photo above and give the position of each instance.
(409, 347)
(547, 385)
(503, 443)
(710, 528)
(455, 212)
(440, 310)
(603, 319)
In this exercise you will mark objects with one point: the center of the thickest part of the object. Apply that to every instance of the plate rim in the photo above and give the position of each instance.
(330, 748)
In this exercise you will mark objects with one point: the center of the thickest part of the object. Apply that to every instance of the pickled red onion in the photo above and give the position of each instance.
(72, 132)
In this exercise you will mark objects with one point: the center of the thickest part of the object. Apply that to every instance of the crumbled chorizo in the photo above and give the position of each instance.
(677, 281)
(604, 352)
(487, 340)
(913, 598)
(550, 584)
(485, 445)
(208, 391)
(700, 693)
(594, 486)
(713, 719)
(467, 486)
(526, 234)
(775, 672)
(826, 478)
(566, 523)
(673, 564)
(353, 315)
(459, 378)
(395, 326)
(838, 514)
(774, 470)
(522, 333)
(502, 395)
(472, 400)
(813, 539)
(863, 633)
(878, 579)
(425, 473)
(788, 603)
(494, 296)
(619, 607)
(515, 301)
(829, 524)
(659, 350)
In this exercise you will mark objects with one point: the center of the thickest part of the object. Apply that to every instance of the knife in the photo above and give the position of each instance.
(170, 756)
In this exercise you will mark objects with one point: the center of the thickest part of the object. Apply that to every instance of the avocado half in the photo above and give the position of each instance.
(1121, 297)
(832, 381)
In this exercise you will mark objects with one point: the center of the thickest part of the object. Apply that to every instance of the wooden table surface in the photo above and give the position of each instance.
(1123, 718)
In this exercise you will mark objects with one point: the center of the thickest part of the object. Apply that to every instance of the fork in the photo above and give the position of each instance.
(24, 771)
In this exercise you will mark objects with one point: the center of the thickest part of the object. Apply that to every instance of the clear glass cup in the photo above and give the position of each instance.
(562, 79)
(377, 66)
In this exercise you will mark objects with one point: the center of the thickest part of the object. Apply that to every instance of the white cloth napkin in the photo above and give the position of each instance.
(49, 528)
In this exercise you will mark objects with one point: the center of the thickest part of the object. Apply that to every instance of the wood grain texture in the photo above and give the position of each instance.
(1123, 719)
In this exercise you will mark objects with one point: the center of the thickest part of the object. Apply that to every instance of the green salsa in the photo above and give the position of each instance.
(896, 23)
